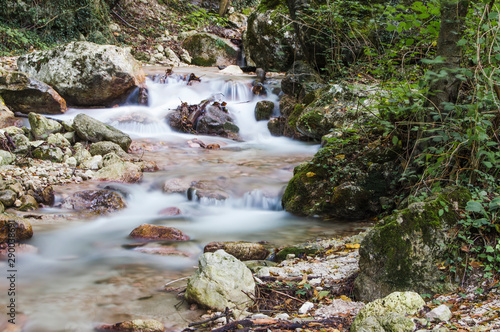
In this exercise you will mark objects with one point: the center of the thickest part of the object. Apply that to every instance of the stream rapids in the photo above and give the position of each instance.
(87, 272)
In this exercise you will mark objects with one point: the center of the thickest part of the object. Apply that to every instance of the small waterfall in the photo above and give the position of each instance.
(254, 199)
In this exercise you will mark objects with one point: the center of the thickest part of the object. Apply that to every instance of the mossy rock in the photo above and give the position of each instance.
(403, 250)
(298, 251)
(209, 50)
(344, 180)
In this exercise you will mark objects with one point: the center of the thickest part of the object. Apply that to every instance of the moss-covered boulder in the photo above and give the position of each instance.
(244, 251)
(92, 130)
(209, 50)
(299, 78)
(264, 110)
(403, 250)
(84, 73)
(345, 179)
(42, 127)
(268, 41)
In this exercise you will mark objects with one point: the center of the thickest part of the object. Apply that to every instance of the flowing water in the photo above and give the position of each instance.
(85, 273)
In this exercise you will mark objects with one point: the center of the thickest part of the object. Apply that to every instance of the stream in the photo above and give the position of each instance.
(87, 272)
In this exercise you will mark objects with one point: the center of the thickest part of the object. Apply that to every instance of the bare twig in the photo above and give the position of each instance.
(128, 24)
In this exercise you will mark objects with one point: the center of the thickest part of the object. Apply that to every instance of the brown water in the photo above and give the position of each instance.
(84, 275)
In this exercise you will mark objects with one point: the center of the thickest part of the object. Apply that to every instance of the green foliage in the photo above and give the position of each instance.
(197, 17)
(49, 22)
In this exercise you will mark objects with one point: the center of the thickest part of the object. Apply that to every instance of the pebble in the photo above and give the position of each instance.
(306, 307)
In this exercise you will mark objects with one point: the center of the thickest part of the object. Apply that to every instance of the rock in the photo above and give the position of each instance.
(136, 325)
(209, 50)
(264, 110)
(105, 147)
(28, 203)
(387, 314)
(306, 307)
(20, 249)
(238, 19)
(21, 142)
(45, 152)
(208, 189)
(217, 122)
(297, 77)
(8, 197)
(350, 186)
(155, 232)
(266, 42)
(25, 94)
(126, 172)
(93, 163)
(244, 251)
(162, 251)
(7, 117)
(2, 207)
(170, 211)
(232, 69)
(6, 157)
(221, 281)
(403, 250)
(41, 127)
(339, 306)
(95, 201)
(85, 74)
(71, 162)
(23, 230)
(176, 186)
(110, 159)
(92, 130)
(58, 140)
(185, 56)
(81, 154)
(439, 314)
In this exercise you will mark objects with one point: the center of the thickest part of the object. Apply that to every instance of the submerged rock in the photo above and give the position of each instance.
(221, 281)
(136, 325)
(155, 232)
(96, 201)
(21, 229)
(25, 94)
(84, 73)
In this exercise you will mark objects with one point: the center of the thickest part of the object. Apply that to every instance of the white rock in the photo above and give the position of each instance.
(439, 314)
(260, 316)
(232, 70)
(282, 316)
(306, 307)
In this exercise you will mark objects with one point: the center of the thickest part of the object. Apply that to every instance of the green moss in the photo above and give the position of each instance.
(204, 62)
(297, 111)
(266, 5)
(283, 253)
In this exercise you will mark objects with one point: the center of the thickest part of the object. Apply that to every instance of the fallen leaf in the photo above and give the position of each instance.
(345, 298)
(352, 245)
(310, 174)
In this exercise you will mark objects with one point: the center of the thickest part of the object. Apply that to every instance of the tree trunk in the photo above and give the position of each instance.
(445, 90)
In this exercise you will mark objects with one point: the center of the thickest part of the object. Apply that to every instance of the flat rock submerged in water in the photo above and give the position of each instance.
(156, 232)
(96, 201)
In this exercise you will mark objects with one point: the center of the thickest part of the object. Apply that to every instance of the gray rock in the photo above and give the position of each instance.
(106, 147)
(6, 157)
(71, 162)
(21, 142)
(84, 73)
(220, 282)
(209, 50)
(28, 203)
(46, 152)
(41, 127)
(297, 77)
(12, 130)
(126, 172)
(403, 250)
(110, 159)
(25, 94)
(93, 163)
(217, 122)
(8, 197)
(383, 310)
(92, 130)
(244, 251)
(95, 201)
(266, 42)
(58, 140)
(81, 154)
(439, 314)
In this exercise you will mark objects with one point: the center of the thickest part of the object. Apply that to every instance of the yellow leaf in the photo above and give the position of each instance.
(340, 156)
(345, 298)
(352, 245)
(310, 174)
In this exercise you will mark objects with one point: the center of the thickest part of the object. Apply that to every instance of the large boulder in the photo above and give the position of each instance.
(217, 123)
(25, 94)
(209, 50)
(403, 251)
(267, 42)
(84, 73)
(299, 78)
(345, 180)
(92, 130)
(389, 313)
(221, 281)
